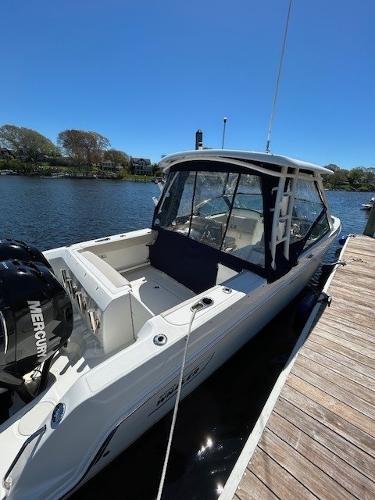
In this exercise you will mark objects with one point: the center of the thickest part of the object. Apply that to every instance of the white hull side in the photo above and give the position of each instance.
(64, 458)
(213, 356)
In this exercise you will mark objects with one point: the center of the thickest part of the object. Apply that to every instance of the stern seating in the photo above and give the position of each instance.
(108, 271)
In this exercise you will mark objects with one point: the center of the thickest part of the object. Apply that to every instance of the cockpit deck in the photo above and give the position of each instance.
(155, 289)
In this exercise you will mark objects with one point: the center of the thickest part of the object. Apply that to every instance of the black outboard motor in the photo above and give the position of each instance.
(15, 249)
(36, 316)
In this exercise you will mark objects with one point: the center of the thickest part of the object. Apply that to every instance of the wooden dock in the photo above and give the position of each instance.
(316, 435)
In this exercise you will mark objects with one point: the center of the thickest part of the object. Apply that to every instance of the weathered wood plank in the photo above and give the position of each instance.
(251, 488)
(359, 284)
(358, 419)
(320, 361)
(311, 476)
(362, 296)
(353, 481)
(354, 456)
(340, 358)
(349, 386)
(361, 315)
(358, 275)
(347, 326)
(340, 310)
(360, 241)
(349, 353)
(361, 251)
(368, 353)
(364, 244)
(330, 388)
(366, 345)
(352, 301)
(282, 484)
(355, 260)
(331, 420)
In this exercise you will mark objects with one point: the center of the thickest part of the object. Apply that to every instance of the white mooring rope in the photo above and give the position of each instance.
(176, 405)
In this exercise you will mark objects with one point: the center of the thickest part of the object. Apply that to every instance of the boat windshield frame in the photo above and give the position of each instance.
(277, 261)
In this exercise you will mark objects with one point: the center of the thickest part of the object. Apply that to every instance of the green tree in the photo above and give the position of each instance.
(85, 148)
(117, 157)
(369, 176)
(338, 178)
(355, 176)
(26, 143)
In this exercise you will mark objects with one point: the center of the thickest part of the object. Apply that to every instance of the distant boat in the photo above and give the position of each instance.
(369, 205)
(53, 176)
(8, 172)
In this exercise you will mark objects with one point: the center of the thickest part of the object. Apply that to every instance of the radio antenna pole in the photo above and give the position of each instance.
(275, 95)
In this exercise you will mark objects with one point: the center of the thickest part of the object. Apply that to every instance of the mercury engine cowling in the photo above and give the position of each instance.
(36, 318)
(16, 249)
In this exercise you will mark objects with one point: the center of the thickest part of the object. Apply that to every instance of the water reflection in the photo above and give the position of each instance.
(209, 444)
(219, 489)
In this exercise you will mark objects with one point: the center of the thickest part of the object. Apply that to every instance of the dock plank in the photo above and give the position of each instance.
(278, 480)
(251, 488)
(348, 327)
(318, 436)
(341, 358)
(350, 344)
(331, 419)
(306, 472)
(322, 362)
(348, 386)
(333, 404)
(324, 435)
(338, 347)
(332, 465)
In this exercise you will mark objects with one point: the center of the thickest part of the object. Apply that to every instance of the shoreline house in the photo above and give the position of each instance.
(6, 154)
(110, 165)
(141, 166)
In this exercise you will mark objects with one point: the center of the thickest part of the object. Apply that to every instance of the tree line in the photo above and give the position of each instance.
(73, 147)
(356, 179)
(80, 148)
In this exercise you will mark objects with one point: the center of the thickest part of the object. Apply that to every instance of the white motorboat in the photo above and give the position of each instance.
(7, 172)
(235, 237)
(368, 205)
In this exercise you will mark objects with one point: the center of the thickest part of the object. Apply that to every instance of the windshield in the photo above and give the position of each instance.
(219, 209)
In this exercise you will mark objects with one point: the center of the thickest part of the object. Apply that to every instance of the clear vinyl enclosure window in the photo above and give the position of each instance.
(245, 235)
(220, 209)
(308, 208)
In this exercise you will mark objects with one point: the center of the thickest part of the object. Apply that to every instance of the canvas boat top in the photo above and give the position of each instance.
(252, 158)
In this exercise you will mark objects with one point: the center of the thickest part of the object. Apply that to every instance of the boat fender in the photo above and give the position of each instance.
(324, 298)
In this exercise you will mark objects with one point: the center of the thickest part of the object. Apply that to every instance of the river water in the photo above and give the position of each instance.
(213, 422)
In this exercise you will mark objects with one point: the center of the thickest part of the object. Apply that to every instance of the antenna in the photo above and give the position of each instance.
(225, 119)
(278, 79)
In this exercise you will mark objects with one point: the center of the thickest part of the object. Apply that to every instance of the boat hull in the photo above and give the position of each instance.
(103, 418)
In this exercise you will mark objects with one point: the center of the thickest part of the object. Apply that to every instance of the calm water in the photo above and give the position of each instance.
(50, 213)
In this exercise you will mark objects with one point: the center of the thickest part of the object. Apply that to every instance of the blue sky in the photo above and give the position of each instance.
(147, 74)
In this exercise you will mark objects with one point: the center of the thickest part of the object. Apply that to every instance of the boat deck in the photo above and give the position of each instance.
(158, 291)
(316, 435)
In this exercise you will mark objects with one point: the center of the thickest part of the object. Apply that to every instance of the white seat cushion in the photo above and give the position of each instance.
(108, 271)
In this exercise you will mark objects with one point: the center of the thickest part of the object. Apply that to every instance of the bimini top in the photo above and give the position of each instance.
(246, 156)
